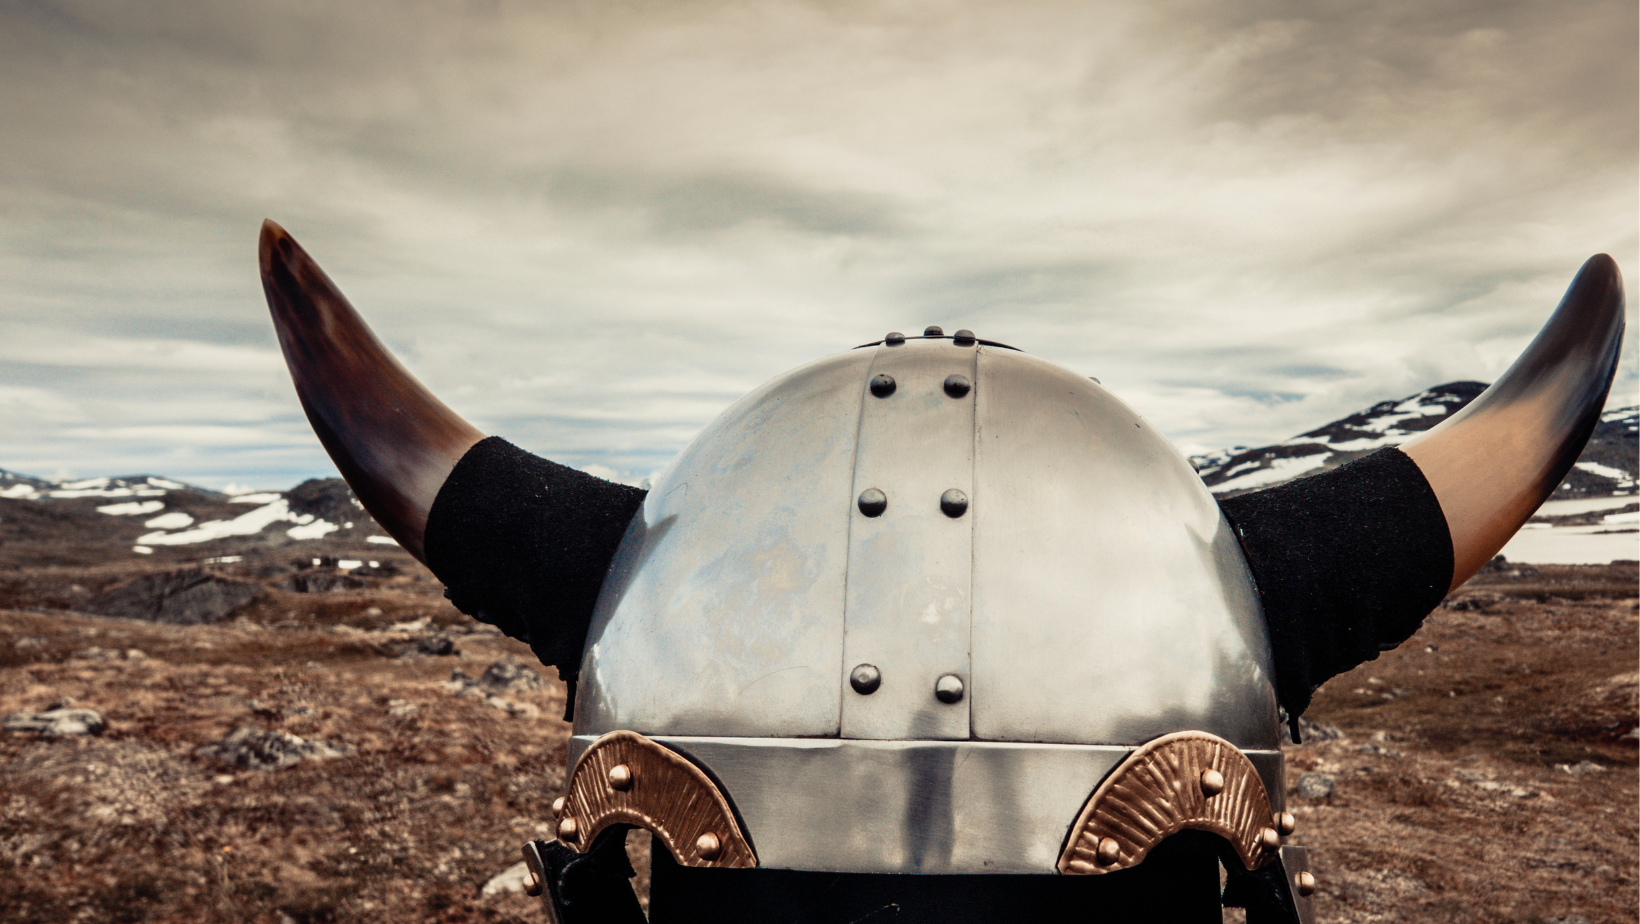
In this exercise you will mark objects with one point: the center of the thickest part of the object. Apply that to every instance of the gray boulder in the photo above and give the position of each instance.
(59, 722)
(176, 598)
(257, 749)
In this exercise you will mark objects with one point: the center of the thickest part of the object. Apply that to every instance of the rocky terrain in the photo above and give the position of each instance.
(365, 753)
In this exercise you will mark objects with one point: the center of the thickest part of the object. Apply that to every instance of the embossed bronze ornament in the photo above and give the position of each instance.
(1184, 780)
(626, 779)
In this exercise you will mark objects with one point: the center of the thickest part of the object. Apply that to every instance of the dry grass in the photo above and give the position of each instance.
(1455, 812)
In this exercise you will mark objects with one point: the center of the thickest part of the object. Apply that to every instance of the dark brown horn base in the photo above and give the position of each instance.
(1348, 563)
(523, 543)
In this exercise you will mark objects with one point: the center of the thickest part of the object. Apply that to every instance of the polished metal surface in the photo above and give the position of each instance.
(909, 570)
(948, 689)
(392, 439)
(1286, 824)
(569, 830)
(958, 386)
(620, 777)
(1212, 782)
(908, 806)
(865, 679)
(1494, 462)
(1295, 862)
(872, 502)
(953, 503)
(1156, 792)
(723, 610)
(1103, 563)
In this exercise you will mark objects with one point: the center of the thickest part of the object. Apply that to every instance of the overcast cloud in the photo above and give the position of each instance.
(591, 226)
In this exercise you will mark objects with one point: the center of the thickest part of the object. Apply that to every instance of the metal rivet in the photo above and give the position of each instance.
(894, 338)
(882, 385)
(954, 503)
(865, 679)
(957, 386)
(620, 777)
(948, 689)
(568, 830)
(707, 846)
(1286, 823)
(873, 502)
(1212, 782)
(1109, 851)
(1269, 838)
(1306, 884)
(963, 337)
(558, 806)
(933, 330)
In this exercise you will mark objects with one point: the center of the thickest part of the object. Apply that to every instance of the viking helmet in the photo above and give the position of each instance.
(934, 605)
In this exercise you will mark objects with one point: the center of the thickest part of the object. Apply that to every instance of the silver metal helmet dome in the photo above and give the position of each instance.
(942, 582)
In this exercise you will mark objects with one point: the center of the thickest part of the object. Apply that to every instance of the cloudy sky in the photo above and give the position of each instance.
(591, 226)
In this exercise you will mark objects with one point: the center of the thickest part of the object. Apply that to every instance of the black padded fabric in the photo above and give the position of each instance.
(1177, 883)
(523, 544)
(1348, 563)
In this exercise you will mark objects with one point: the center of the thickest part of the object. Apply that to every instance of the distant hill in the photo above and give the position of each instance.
(1606, 468)
(91, 519)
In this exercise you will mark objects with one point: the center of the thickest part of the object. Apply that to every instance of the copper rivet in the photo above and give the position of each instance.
(1286, 823)
(1269, 838)
(568, 830)
(532, 888)
(1306, 884)
(707, 846)
(558, 806)
(620, 777)
(1212, 782)
(1109, 851)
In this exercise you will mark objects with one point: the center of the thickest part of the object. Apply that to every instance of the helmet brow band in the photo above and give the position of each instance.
(1184, 780)
(626, 779)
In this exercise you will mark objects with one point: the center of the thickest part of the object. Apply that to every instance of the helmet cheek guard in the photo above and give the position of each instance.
(934, 606)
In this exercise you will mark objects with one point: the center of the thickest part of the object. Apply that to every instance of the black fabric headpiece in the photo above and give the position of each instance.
(1348, 563)
(523, 543)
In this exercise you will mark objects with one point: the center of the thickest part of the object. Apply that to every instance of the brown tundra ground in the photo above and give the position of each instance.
(1486, 770)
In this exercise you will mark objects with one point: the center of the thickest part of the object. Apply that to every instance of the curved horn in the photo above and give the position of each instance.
(392, 440)
(1494, 462)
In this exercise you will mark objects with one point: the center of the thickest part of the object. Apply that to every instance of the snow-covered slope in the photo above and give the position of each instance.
(149, 512)
(1606, 468)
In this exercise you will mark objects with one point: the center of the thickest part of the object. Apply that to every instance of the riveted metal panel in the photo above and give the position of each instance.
(909, 567)
(862, 806)
(723, 610)
(1112, 603)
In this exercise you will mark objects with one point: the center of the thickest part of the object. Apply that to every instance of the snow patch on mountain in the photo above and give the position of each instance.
(132, 508)
(248, 524)
(1606, 468)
